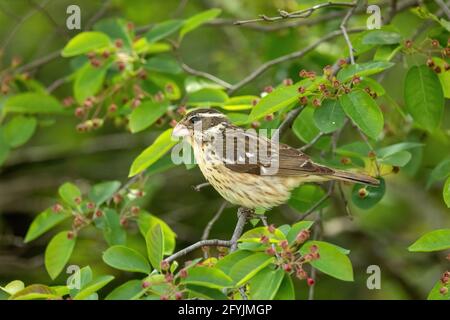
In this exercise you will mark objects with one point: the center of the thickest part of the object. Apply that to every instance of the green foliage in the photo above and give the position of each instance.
(58, 252)
(432, 241)
(85, 42)
(424, 97)
(127, 259)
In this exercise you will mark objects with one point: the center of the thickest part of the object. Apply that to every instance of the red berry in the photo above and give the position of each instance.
(112, 108)
(287, 267)
(123, 222)
(268, 89)
(303, 101)
(90, 205)
(270, 251)
(118, 43)
(284, 244)
(117, 198)
(178, 295)
(135, 210)
(430, 62)
(356, 79)
(130, 26)
(57, 208)
(310, 282)
(79, 112)
(70, 235)
(362, 193)
(271, 228)
(314, 248)
(302, 236)
(301, 274)
(443, 290)
(77, 200)
(303, 73)
(408, 43)
(435, 43)
(255, 102)
(342, 62)
(301, 89)
(288, 82)
(165, 265)
(95, 63)
(182, 110)
(168, 277)
(173, 123)
(164, 297)
(145, 284)
(135, 103)
(98, 213)
(68, 101)
(345, 160)
(269, 117)
(183, 273)
(255, 125)
(121, 65)
(105, 54)
(316, 102)
(264, 239)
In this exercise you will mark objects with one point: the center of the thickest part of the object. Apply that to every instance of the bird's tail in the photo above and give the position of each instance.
(354, 177)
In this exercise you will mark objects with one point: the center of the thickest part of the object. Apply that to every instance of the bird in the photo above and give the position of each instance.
(231, 160)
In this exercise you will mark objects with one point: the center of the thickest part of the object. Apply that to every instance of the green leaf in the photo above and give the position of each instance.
(304, 126)
(44, 222)
(163, 30)
(373, 194)
(305, 196)
(69, 192)
(207, 97)
(440, 172)
(170, 88)
(364, 112)
(163, 64)
(424, 97)
(196, 21)
(436, 240)
(381, 37)
(19, 130)
(278, 99)
(32, 103)
(239, 103)
(93, 287)
(160, 146)
(254, 235)
(115, 29)
(4, 147)
(329, 116)
(208, 277)
(13, 287)
(296, 228)
(130, 290)
(147, 221)
(446, 192)
(265, 285)
(193, 84)
(85, 42)
(248, 267)
(113, 232)
(103, 191)
(205, 292)
(444, 76)
(387, 52)
(89, 81)
(332, 260)
(146, 114)
(436, 295)
(155, 246)
(225, 264)
(396, 154)
(286, 290)
(363, 69)
(34, 291)
(127, 259)
(58, 252)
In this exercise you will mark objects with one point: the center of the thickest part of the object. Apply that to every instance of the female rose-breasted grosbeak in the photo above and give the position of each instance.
(248, 169)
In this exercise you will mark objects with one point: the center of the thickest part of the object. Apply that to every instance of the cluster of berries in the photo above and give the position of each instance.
(172, 289)
(288, 256)
(445, 280)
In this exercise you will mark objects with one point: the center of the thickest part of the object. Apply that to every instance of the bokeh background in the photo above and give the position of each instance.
(57, 153)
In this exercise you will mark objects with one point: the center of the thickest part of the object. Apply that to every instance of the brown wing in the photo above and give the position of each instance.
(289, 161)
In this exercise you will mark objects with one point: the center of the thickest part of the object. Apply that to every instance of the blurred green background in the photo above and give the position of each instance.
(57, 153)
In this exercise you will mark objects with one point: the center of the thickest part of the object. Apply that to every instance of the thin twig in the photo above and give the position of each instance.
(287, 122)
(213, 220)
(312, 142)
(345, 201)
(98, 15)
(198, 245)
(41, 8)
(444, 7)
(294, 55)
(296, 14)
(200, 186)
(206, 75)
(343, 27)
(319, 202)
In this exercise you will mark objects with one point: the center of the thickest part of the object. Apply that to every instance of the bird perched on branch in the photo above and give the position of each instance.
(249, 169)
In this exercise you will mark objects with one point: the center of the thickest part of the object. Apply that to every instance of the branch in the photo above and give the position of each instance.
(343, 27)
(313, 141)
(287, 122)
(296, 14)
(444, 7)
(242, 219)
(291, 56)
(213, 220)
(204, 74)
(198, 245)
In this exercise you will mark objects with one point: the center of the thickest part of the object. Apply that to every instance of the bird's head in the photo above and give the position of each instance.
(201, 124)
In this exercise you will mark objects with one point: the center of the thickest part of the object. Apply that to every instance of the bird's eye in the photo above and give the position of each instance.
(194, 119)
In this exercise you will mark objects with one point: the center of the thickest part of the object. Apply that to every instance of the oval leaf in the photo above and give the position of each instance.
(127, 259)
(69, 192)
(146, 114)
(32, 103)
(208, 277)
(160, 146)
(57, 253)
(329, 116)
(373, 194)
(19, 130)
(85, 42)
(44, 222)
(424, 97)
(432, 241)
(364, 112)
(197, 20)
(155, 246)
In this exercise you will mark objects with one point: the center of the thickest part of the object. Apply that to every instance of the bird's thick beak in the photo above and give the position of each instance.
(180, 131)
